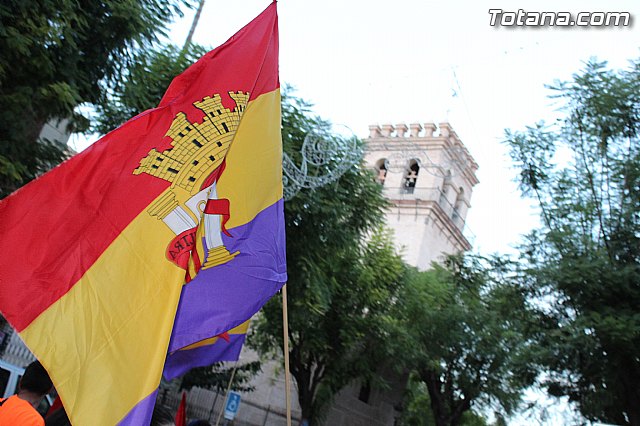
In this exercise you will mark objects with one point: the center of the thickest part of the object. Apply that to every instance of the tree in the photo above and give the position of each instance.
(583, 264)
(218, 376)
(464, 330)
(57, 55)
(343, 276)
(148, 78)
(417, 411)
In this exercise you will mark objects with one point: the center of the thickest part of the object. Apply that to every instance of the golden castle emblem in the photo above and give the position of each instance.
(192, 165)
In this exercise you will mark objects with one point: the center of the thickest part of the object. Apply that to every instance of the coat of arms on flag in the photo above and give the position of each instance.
(192, 165)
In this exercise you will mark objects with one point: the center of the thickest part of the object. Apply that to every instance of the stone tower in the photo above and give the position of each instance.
(428, 175)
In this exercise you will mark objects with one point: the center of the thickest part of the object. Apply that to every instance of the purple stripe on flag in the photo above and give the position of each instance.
(182, 361)
(141, 413)
(223, 297)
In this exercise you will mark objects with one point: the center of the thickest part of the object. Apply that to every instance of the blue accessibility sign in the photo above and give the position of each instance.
(233, 403)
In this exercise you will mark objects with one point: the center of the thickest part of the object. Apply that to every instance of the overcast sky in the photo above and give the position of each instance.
(374, 62)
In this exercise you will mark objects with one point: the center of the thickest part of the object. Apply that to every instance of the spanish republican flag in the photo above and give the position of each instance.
(95, 253)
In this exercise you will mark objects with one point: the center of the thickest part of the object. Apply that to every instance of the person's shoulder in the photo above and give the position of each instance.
(20, 412)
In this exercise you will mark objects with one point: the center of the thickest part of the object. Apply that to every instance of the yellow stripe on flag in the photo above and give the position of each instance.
(241, 329)
(252, 179)
(112, 328)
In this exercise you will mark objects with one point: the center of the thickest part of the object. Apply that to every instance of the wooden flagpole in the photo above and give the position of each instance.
(287, 379)
(233, 373)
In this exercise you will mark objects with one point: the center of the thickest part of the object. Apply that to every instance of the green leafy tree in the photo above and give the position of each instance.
(343, 276)
(148, 78)
(462, 327)
(417, 407)
(57, 55)
(219, 375)
(583, 264)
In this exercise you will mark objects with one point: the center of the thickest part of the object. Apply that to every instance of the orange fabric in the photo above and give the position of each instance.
(16, 411)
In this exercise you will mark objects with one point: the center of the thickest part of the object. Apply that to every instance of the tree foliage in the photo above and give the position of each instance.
(55, 56)
(583, 264)
(219, 376)
(147, 79)
(463, 326)
(343, 275)
(417, 407)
